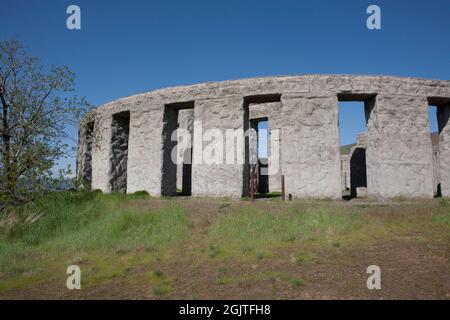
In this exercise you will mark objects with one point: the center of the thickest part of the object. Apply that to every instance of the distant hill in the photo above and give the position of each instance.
(346, 148)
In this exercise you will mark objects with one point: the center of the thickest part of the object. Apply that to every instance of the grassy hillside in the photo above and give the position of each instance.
(345, 149)
(133, 246)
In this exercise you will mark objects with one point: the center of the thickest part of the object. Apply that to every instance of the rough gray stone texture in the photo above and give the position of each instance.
(399, 158)
(443, 114)
(185, 121)
(361, 192)
(120, 128)
(310, 149)
(145, 152)
(361, 143)
(399, 154)
(169, 167)
(218, 179)
(271, 111)
(345, 171)
(101, 158)
(253, 142)
(84, 152)
(436, 170)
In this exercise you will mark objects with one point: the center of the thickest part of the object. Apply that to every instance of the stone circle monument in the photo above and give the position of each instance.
(126, 145)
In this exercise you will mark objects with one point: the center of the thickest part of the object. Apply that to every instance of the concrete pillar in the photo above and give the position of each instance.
(145, 148)
(185, 121)
(310, 149)
(217, 178)
(275, 140)
(443, 115)
(253, 142)
(120, 129)
(101, 153)
(399, 153)
(169, 145)
(84, 153)
(271, 111)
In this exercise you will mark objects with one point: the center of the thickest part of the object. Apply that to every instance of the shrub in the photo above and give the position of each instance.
(139, 195)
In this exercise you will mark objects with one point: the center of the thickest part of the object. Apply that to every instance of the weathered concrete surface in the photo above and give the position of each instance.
(101, 163)
(436, 163)
(217, 178)
(145, 145)
(443, 115)
(360, 173)
(120, 129)
(399, 154)
(399, 158)
(310, 149)
(169, 167)
(271, 111)
(84, 152)
(184, 167)
(345, 172)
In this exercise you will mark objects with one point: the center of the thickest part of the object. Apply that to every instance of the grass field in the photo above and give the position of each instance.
(134, 246)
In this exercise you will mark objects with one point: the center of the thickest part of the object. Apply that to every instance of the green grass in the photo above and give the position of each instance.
(250, 228)
(158, 273)
(256, 276)
(161, 290)
(297, 282)
(89, 221)
(302, 257)
(134, 237)
(224, 205)
(139, 195)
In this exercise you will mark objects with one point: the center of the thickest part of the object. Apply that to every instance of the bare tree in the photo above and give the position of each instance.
(37, 105)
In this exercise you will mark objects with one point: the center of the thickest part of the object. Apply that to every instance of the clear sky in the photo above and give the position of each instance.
(128, 47)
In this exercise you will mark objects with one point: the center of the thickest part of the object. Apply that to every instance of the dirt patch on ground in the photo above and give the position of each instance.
(409, 271)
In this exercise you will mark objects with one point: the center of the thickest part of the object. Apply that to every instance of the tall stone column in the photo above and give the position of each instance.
(274, 150)
(145, 148)
(443, 115)
(271, 111)
(120, 129)
(84, 152)
(310, 148)
(186, 122)
(399, 153)
(101, 149)
(211, 175)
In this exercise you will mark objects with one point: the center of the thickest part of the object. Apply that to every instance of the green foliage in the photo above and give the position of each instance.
(302, 257)
(346, 148)
(443, 219)
(139, 195)
(89, 221)
(37, 106)
(118, 235)
(158, 273)
(224, 205)
(257, 228)
(161, 290)
(260, 256)
(214, 251)
(297, 282)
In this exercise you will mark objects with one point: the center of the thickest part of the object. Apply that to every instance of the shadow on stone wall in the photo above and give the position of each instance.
(119, 151)
(358, 175)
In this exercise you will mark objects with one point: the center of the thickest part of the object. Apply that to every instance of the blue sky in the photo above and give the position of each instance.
(130, 46)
